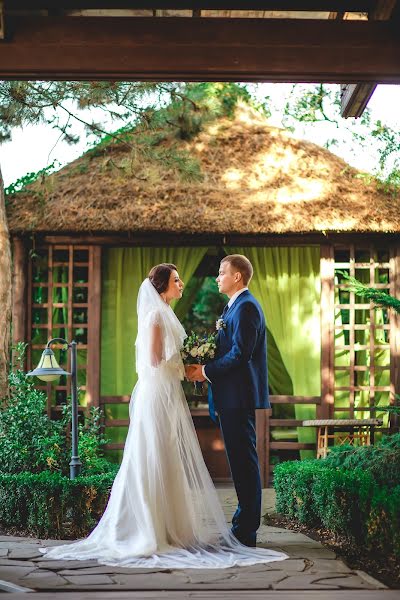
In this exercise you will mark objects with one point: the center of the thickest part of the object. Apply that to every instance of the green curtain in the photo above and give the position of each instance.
(286, 282)
(124, 269)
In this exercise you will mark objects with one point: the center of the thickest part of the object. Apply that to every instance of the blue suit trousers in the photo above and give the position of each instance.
(238, 427)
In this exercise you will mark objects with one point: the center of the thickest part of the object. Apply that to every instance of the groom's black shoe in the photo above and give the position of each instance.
(245, 541)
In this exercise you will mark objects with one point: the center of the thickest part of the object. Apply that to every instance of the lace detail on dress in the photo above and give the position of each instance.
(153, 317)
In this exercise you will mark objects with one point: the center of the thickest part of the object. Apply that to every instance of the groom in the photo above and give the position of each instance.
(239, 385)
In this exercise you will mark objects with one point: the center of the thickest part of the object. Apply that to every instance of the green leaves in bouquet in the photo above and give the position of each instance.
(199, 349)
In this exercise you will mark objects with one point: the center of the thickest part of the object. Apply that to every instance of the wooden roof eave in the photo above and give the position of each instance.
(355, 6)
(186, 49)
(172, 239)
(355, 96)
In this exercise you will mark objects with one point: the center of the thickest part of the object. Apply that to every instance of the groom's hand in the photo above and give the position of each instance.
(194, 373)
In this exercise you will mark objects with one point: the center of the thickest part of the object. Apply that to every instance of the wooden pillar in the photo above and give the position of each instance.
(19, 290)
(94, 324)
(326, 408)
(394, 331)
(262, 432)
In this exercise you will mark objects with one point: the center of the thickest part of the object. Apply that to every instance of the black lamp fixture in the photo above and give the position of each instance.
(48, 369)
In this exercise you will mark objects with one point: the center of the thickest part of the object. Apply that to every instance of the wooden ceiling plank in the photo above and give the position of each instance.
(190, 49)
(247, 5)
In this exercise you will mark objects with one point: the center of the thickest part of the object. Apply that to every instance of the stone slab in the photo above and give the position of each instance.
(291, 564)
(159, 581)
(323, 564)
(207, 579)
(14, 574)
(24, 553)
(55, 565)
(89, 580)
(296, 551)
(377, 584)
(5, 562)
(40, 580)
(265, 538)
(304, 582)
(12, 588)
(104, 569)
(12, 544)
(45, 543)
(16, 538)
(292, 537)
(348, 582)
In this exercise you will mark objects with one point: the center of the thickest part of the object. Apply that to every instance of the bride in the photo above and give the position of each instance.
(163, 509)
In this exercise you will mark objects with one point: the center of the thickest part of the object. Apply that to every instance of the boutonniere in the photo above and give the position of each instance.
(220, 324)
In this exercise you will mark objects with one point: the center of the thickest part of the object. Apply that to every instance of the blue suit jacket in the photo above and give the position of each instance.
(238, 375)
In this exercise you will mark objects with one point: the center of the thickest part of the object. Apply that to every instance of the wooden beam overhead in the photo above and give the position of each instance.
(187, 49)
(384, 10)
(278, 5)
(355, 96)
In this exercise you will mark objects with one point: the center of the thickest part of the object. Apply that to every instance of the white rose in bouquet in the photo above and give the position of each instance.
(198, 349)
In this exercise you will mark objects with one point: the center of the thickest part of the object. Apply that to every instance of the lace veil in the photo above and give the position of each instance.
(152, 309)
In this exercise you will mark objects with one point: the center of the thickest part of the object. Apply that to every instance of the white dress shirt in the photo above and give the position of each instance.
(231, 301)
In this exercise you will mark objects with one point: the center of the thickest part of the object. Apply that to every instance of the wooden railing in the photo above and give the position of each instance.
(264, 423)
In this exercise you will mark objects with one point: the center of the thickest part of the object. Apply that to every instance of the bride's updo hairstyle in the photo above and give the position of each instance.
(159, 276)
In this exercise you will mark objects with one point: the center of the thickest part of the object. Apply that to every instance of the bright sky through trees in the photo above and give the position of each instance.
(33, 148)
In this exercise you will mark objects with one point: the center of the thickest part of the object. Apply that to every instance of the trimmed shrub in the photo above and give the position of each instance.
(293, 482)
(383, 524)
(49, 505)
(341, 499)
(381, 460)
(347, 502)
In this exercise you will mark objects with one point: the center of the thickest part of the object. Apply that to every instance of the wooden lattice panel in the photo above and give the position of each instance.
(362, 357)
(59, 277)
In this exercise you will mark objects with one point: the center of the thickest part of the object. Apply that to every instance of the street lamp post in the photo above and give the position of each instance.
(49, 370)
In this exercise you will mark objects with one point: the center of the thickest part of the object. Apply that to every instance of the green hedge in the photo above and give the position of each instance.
(49, 505)
(382, 460)
(348, 502)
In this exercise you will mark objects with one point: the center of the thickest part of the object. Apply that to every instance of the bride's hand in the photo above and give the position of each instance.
(194, 373)
(188, 371)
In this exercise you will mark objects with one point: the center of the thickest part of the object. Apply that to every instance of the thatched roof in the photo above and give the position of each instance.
(254, 179)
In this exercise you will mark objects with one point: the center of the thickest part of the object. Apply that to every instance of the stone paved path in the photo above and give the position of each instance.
(310, 567)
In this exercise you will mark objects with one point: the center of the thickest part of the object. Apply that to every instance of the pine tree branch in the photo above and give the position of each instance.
(379, 298)
(91, 125)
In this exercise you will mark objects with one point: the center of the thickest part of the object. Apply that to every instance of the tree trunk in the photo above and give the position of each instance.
(5, 294)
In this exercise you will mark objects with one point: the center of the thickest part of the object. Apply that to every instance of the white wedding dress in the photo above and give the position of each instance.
(163, 510)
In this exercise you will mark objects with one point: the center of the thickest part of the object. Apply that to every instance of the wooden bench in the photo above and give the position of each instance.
(344, 431)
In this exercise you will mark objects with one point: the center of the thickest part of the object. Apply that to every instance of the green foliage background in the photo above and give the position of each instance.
(32, 442)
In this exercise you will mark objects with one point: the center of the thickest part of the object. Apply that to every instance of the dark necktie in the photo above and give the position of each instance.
(224, 311)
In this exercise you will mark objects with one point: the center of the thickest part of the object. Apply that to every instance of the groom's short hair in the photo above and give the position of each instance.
(242, 264)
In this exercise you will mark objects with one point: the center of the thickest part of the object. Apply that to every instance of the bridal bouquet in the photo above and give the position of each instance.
(198, 349)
